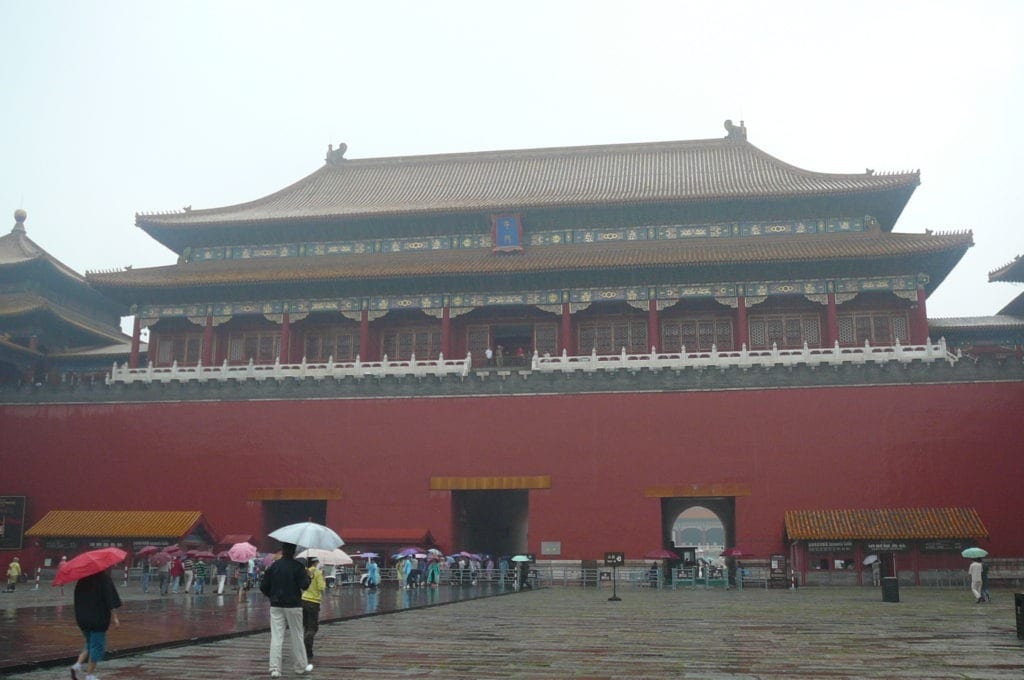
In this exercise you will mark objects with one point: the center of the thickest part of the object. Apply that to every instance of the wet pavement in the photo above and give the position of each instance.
(554, 632)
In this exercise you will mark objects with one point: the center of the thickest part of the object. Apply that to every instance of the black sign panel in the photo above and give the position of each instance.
(12, 522)
(614, 559)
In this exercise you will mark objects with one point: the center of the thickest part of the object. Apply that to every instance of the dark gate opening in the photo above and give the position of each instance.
(491, 522)
(512, 339)
(277, 514)
(724, 509)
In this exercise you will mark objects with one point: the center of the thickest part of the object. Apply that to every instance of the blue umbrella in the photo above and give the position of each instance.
(972, 553)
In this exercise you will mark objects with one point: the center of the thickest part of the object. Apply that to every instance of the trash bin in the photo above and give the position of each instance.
(1018, 601)
(890, 589)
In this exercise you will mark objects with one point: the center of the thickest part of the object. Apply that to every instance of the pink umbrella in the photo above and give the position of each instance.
(242, 552)
(269, 559)
(661, 554)
(159, 559)
(172, 550)
(734, 552)
(204, 555)
(146, 550)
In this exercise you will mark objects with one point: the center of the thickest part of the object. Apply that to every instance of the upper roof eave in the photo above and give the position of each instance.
(606, 175)
(1012, 271)
(753, 250)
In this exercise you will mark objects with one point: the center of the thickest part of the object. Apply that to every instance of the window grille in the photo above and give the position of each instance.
(784, 331)
(876, 328)
(545, 338)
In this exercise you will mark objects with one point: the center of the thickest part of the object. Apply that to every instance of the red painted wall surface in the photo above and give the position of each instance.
(866, 447)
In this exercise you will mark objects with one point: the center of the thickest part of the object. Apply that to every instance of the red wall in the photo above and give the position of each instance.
(867, 447)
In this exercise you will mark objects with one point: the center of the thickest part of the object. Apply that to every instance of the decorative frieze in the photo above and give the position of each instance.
(548, 300)
(671, 232)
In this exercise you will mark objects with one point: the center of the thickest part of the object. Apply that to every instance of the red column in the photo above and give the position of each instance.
(831, 322)
(364, 336)
(446, 332)
(207, 357)
(133, 358)
(919, 324)
(653, 327)
(286, 330)
(742, 334)
(567, 344)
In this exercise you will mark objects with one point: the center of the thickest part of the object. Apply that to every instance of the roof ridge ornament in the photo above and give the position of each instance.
(19, 221)
(336, 156)
(737, 132)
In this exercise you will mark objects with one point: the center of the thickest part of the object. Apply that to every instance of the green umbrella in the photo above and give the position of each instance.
(971, 553)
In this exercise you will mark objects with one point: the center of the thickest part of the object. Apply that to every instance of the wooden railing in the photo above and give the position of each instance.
(440, 367)
(744, 358)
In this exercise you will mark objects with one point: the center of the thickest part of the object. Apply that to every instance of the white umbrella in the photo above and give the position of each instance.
(870, 559)
(308, 535)
(328, 557)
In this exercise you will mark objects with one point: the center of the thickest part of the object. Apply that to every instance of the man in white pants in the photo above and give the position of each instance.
(283, 583)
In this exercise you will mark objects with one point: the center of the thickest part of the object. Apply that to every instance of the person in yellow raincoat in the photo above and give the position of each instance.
(311, 598)
(13, 574)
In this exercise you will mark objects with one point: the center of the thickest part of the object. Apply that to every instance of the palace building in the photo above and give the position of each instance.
(554, 351)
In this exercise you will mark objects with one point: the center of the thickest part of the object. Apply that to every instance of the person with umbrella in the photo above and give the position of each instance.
(283, 582)
(311, 598)
(96, 600)
(974, 571)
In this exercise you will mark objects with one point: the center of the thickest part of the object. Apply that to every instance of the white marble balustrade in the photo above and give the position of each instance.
(744, 358)
(277, 371)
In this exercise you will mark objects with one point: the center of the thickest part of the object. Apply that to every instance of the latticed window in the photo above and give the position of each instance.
(696, 335)
(611, 337)
(323, 345)
(784, 331)
(545, 338)
(184, 348)
(478, 339)
(400, 344)
(876, 328)
(262, 347)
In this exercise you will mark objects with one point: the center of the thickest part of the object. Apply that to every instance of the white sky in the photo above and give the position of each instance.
(114, 108)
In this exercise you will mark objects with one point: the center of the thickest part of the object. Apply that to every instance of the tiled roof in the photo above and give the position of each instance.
(23, 303)
(115, 523)
(1011, 271)
(890, 523)
(231, 539)
(385, 535)
(17, 248)
(469, 262)
(976, 322)
(679, 171)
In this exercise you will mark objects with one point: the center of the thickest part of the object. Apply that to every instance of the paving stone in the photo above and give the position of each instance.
(573, 632)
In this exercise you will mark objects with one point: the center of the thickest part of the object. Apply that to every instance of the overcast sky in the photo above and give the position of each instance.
(113, 108)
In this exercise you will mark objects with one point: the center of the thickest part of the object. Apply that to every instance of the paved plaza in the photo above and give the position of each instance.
(554, 632)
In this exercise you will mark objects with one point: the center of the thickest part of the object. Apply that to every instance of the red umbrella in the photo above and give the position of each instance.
(146, 550)
(204, 555)
(87, 564)
(661, 554)
(734, 552)
(193, 552)
(172, 550)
